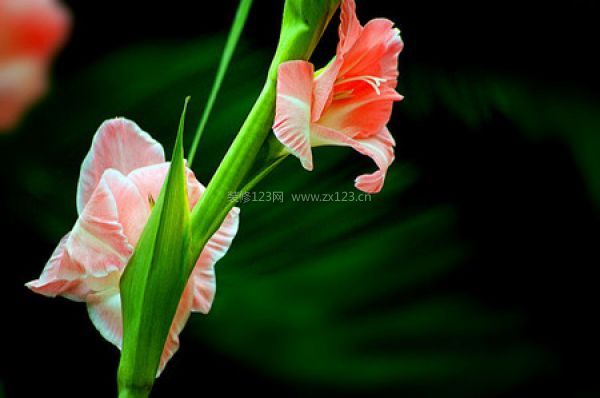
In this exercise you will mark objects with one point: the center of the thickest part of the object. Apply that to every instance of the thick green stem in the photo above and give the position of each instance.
(233, 169)
(134, 393)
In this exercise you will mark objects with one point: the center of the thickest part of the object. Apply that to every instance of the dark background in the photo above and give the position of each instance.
(495, 199)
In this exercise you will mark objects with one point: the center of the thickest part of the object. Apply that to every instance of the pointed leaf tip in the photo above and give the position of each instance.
(155, 277)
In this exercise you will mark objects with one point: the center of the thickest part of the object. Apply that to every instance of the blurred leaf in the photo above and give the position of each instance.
(540, 112)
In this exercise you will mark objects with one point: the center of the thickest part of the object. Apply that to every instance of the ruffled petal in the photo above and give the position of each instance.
(349, 32)
(293, 109)
(90, 258)
(104, 309)
(200, 290)
(119, 144)
(133, 209)
(61, 276)
(350, 28)
(375, 52)
(98, 242)
(380, 148)
(202, 281)
(181, 317)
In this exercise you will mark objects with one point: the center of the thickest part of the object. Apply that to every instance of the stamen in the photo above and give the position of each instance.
(372, 81)
(151, 201)
(343, 95)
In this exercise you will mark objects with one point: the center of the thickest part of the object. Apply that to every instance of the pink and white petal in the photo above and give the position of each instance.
(293, 109)
(202, 281)
(64, 277)
(104, 309)
(150, 180)
(61, 276)
(194, 188)
(380, 148)
(133, 209)
(98, 242)
(361, 116)
(181, 317)
(119, 144)
(203, 284)
(386, 137)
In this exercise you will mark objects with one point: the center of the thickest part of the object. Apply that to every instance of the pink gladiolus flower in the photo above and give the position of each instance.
(31, 31)
(349, 102)
(120, 178)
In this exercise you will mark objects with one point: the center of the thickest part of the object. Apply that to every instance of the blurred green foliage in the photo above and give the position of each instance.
(306, 292)
(538, 110)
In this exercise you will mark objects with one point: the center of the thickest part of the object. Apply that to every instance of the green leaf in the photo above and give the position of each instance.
(232, 41)
(154, 279)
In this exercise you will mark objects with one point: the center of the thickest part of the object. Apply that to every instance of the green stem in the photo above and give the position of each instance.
(133, 393)
(232, 40)
(233, 169)
(303, 24)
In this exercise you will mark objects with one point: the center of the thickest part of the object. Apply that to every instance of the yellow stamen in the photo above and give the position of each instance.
(151, 201)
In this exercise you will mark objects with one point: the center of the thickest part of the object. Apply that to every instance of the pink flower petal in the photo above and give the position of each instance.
(31, 31)
(200, 290)
(350, 28)
(133, 208)
(98, 242)
(60, 276)
(104, 309)
(22, 82)
(181, 317)
(149, 181)
(202, 281)
(323, 88)
(119, 144)
(375, 53)
(32, 27)
(90, 258)
(380, 148)
(361, 116)
(349, 32)
(293, 109)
